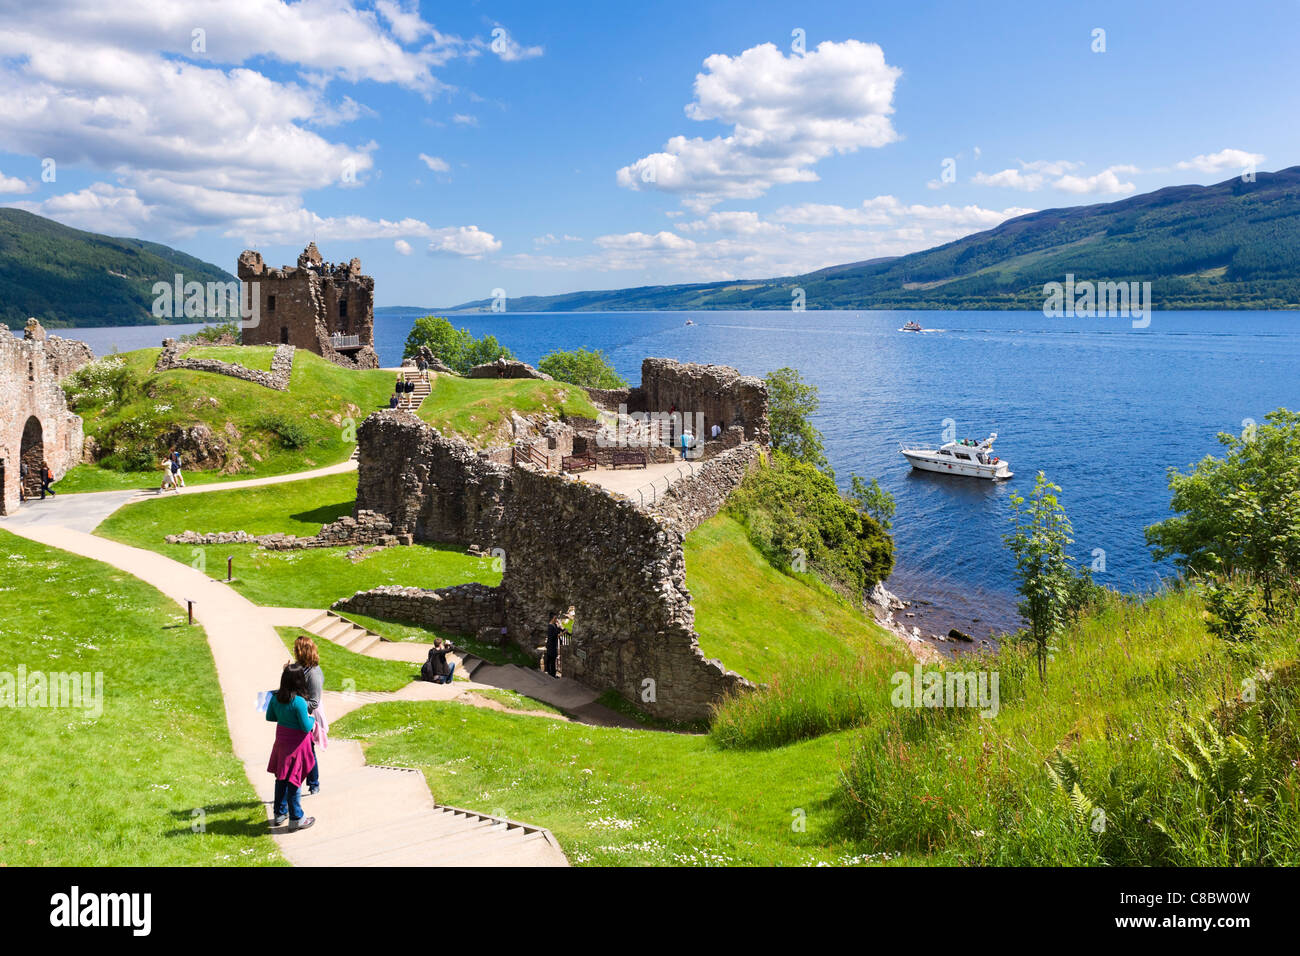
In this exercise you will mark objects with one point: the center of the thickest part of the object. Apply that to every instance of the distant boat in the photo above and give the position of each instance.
(690, 321)
(966, 457)
(911, 326)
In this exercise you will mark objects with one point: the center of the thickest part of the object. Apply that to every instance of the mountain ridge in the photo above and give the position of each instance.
(1230, 245)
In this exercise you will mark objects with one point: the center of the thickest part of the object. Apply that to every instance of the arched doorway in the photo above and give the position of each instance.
(33, 456)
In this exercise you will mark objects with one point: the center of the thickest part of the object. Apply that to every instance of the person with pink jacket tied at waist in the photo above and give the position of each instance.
(292, 758)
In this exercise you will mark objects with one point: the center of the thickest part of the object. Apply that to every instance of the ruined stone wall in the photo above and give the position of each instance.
(464, 609)
(431, 486)
(690, 502)
(565, 542)
(172, 357)
(718, 392)
(506, 368)
(301, 306)
(32, 401)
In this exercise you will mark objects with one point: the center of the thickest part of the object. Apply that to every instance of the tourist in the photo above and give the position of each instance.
(436, 669)
(393, 400)
(717, 430)
(553, 631)
(306, 654)
(168, 481)
(687, 440)
(177, 478)
(47, 478)
(292, 757)
(423, 367)
(22, 481)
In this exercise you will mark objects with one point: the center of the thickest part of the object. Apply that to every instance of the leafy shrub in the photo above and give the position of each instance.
(107, 383)
(456, 348)
(291, 434)
(1234, 610)
(797, 517)
(214, 333)
(590, 369)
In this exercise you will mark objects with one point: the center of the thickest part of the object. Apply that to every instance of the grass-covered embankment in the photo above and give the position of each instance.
(313, 577)
(478, 409)
(346, 670)
(128, 408)
(149, 782)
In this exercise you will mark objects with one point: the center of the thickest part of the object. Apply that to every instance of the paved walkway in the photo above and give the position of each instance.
(366, 815)
(83, 511)
(627, 481)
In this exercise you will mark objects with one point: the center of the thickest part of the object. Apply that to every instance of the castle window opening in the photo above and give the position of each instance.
(270, 303)
(284, 335)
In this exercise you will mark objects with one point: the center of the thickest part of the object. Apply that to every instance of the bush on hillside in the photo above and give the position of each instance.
(219, 332)
(456, 348)
(797, 517)
(590, 369)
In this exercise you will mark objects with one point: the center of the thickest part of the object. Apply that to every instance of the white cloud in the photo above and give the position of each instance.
(1107, 181)
(786, 113)
(1223, 159)
(12, 184)
(1058, 174)
(551, 239)
(889, 211)
(735, 223)
(436, 163)
(467, 241)
(402, 246)
(464, 119)
(192, 136)
(641, 241)
(508, 49)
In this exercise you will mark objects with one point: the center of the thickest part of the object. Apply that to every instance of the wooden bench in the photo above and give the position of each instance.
(636, 459)
(578, 463)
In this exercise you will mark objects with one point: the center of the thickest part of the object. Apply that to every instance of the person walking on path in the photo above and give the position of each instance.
(687, 438)
(22, 481)
(168, 481)
(291, 757)
(553, 631)
(307, 655)
(177, 478)
(47, 478)
(423, 367)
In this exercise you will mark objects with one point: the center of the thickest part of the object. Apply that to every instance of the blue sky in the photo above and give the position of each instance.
(540, 148)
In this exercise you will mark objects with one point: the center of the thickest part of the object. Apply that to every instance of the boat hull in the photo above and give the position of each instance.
(968, 469)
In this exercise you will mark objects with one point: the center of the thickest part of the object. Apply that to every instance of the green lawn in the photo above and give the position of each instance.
(478, 409)
(347, 670)
(513, 700)
(403, 631)
(152, 780)
(249, 356)
(312, 577)
(620, 797)
(293, 507)
(321, 401)
(760, 621)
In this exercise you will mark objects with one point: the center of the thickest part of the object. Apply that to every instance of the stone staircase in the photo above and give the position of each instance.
(411, 401)
(337, 629)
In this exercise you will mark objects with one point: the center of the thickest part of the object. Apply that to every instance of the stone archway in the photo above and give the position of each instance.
(33, 456)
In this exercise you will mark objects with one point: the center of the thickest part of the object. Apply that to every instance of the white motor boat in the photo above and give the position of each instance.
(966, 457)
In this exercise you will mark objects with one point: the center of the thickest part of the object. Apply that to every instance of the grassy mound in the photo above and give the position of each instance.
(257, 357)
(478, 409)
(150, 782)
(348, 671)
(128, 408)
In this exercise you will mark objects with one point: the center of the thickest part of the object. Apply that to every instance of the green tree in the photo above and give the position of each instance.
(590, 369)
(873, 500)
(1045, 579)
(791, 404)
(1239, 514)
(456, 348)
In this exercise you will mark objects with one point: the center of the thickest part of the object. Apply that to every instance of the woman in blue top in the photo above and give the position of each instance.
(292, 757)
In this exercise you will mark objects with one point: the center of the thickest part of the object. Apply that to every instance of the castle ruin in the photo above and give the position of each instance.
(36, 427)
(319, 306)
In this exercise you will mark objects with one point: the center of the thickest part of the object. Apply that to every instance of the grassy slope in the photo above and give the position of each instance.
(618, 797)
(478, 409)
(119, 790)
(313, 577)
(320, 398)
(1120, 685)
(758, 620)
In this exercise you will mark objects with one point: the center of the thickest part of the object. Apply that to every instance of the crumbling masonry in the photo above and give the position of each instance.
(319, 306)
(36, 427)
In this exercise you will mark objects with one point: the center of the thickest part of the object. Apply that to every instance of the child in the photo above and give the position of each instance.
(292, 758)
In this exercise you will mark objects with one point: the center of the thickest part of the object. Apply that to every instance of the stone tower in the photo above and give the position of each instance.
(319, 306)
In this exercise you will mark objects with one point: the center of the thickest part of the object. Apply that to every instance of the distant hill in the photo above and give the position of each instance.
(65, 276)
(1233, 245)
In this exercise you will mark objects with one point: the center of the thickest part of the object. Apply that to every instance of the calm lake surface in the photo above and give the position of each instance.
(1103, 408)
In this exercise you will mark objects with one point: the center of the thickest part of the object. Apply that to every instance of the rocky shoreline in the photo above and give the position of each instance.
(926, 646)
